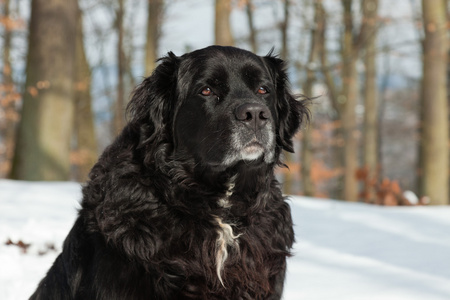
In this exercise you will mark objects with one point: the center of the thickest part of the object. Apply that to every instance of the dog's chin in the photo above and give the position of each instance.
(251, 154)
(252, 151)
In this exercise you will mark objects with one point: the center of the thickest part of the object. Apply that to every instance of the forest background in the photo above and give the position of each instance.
(377, 72)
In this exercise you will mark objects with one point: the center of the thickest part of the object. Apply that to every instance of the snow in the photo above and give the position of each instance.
(363, 252)
(344, 251)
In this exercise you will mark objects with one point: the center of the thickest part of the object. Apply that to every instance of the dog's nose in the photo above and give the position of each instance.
(253, 114)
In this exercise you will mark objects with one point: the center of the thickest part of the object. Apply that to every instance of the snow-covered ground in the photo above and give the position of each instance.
(344, 251)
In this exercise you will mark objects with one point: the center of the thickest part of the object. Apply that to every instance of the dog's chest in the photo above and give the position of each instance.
(226, 238)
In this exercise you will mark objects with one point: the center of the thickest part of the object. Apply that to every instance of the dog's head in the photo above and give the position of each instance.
(220, 106)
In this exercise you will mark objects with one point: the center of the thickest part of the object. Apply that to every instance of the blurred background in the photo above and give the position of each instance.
(377, 71)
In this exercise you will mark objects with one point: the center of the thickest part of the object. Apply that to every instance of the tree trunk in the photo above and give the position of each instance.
(86, 142)
(119, 115)
(435, 138)
(370, 154)
(222, 29)
(155, 10)
(43, 144)
(251, 26)
(309, 188)
(284, 31)
(348, 103)
(334, 93)
(307, 151)
(290, 158)
(8, 98)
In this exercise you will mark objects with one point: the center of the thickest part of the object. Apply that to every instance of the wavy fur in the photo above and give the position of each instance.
(158, 222)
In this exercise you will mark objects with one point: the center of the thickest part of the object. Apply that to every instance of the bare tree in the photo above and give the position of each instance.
(347, 102)
(9, 95)
(45, 131)
(343, 99)
(284, 30)
(119, 112)
(250, 9)
(368, 37)
(434, 108)
(222, 28)
(289, 178)
(155, 12)
(317, 32)
(85, 152)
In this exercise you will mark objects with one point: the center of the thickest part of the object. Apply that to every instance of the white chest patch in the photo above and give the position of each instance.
(225, 236)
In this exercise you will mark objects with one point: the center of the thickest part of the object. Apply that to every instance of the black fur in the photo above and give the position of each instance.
(148, 225)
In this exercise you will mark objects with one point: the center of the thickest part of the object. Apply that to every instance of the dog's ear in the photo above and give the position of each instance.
(291, 109)
(149, 109)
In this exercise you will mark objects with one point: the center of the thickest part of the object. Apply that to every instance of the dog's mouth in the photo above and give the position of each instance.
(246, 146)
(252, 150)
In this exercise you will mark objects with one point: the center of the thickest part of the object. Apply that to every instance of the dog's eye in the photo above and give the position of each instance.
(206, 92)
(262, 91)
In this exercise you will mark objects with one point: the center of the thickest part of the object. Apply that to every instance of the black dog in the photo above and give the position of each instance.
(184, 204)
